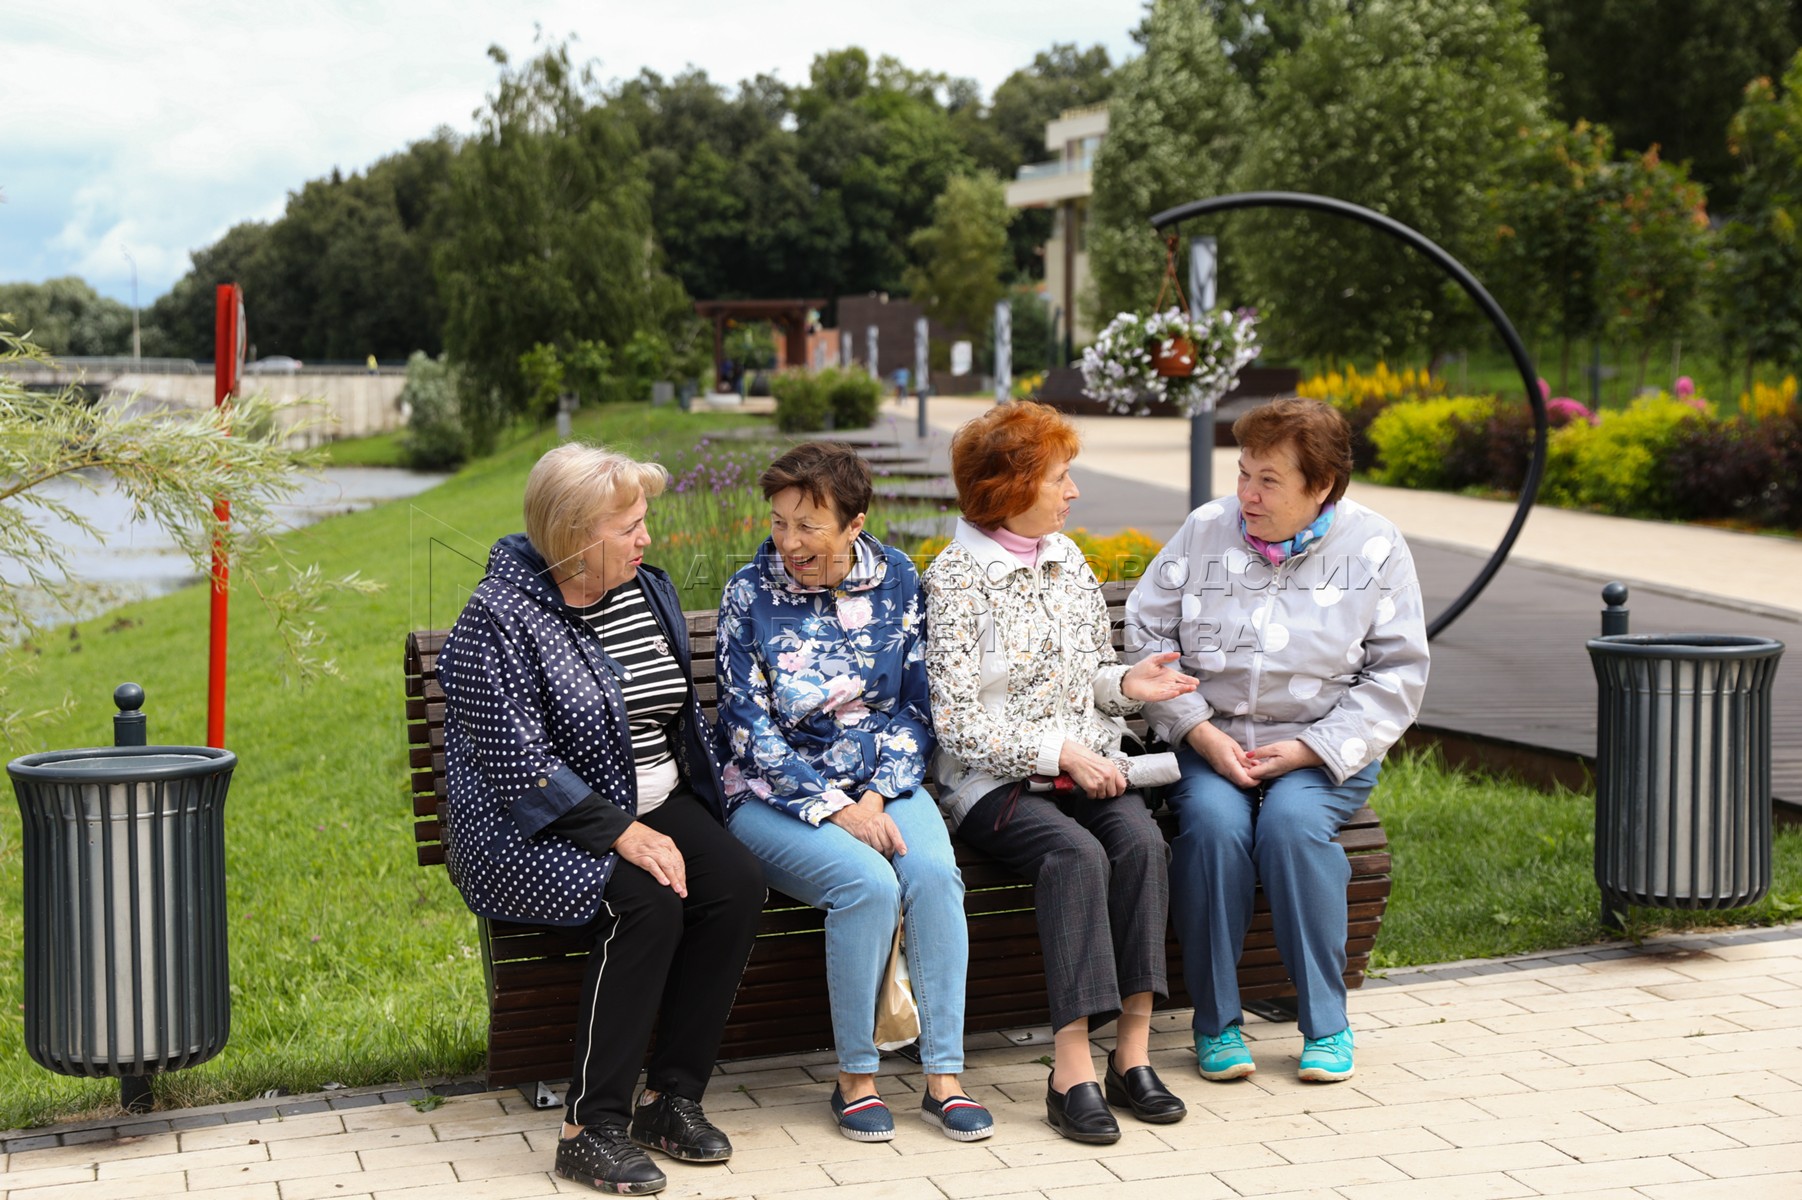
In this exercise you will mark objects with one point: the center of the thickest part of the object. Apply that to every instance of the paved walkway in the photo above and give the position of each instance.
(1667, 1071)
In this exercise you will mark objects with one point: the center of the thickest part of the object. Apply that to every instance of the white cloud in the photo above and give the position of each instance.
(158, 127)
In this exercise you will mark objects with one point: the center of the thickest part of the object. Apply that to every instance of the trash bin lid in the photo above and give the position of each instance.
(1685, 645)
(116, 764)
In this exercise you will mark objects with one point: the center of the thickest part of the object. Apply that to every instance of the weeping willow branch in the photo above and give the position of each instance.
(170, 468)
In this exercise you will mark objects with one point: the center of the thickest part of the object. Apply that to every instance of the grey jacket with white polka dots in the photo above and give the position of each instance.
(534, 722)
(1330, 647)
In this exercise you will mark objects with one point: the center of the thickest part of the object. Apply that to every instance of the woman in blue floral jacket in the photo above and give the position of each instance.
(823, 707)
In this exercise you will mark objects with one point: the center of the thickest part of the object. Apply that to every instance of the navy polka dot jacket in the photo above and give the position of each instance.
(534, 722)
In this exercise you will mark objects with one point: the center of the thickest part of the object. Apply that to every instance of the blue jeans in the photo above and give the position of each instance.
(1226, 842)
(862, 893)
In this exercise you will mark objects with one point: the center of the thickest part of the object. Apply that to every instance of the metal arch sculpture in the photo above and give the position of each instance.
(1529, 490)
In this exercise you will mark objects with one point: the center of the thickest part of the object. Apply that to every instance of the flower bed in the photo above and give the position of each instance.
(1674, 457)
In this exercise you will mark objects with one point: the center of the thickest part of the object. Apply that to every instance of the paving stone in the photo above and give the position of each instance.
(1593, 1177)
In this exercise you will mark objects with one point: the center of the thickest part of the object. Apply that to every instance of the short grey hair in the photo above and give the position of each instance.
(572, 487)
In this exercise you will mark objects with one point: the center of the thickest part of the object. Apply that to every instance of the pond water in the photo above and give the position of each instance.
(135, 560)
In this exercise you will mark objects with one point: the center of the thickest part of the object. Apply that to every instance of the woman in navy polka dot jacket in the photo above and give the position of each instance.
(584, 790)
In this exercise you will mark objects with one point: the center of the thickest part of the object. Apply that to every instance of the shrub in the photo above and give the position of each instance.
(1718, 469)
(855, 396)
(803, 403)
(1621, 464)
(436, 439)
(1361, 398)
(1415, 442)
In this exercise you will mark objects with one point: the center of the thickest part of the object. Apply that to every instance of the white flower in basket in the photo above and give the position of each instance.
(1165, 358)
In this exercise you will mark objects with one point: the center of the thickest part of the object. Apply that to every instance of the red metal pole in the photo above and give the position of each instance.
(228, 345)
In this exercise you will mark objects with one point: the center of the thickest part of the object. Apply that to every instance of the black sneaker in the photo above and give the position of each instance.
(604, 1158)
(677, 1126)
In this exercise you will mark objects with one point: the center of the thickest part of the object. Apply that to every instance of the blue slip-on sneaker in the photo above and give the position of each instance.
(1327, 1059)
(864, 1120)
(1223, 1055)
(958, 1117)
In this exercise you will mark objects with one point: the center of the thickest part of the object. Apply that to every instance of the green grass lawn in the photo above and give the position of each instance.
(376, 450)
(351, 964)
(1485, 867)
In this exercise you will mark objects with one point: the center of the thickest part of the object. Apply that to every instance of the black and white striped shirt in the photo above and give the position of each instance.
(654, 686)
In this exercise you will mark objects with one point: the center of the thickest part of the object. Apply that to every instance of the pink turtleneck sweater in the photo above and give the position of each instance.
(1023, 548)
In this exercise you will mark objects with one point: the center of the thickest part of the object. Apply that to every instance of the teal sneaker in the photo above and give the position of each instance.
(1223, 1056)
(1327, 1059)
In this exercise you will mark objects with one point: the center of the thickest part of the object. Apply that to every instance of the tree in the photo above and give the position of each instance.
(180, 323)
(961, 257)
(171, 470)
(1539, 252)
(878, 146)
(1175, 129)
(1256, 32)
(1756, 300)
(1408, 107)
(1668, 73)
(1654, 255)
(548, 235)
(67, 316)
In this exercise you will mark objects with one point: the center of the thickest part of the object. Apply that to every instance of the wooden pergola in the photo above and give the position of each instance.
(790, 316)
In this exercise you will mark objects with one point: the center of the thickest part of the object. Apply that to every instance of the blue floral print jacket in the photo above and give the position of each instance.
(534, 721)
(823, 692)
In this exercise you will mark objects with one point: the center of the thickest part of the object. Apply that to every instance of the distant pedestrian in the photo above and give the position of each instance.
(372, 364)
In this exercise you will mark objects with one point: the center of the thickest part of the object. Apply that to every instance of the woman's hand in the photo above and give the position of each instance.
(1279, 758)
(1223, 754)
(1152, 679)
(866, 822)
(656, 854)
(1096, 774)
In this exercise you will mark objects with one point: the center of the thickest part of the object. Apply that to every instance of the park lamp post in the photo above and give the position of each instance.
(136, 348)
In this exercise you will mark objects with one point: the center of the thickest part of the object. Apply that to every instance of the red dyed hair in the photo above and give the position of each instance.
(999, 459)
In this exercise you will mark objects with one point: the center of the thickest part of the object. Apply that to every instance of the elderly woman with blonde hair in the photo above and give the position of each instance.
(584, 791)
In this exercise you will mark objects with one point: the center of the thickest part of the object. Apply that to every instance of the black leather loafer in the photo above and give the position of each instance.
(1081, 1115)
(1142, 1090)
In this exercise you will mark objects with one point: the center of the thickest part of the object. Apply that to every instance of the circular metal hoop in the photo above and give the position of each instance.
(1529, 490)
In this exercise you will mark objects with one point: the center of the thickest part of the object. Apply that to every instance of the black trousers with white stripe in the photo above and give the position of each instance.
(662, 960)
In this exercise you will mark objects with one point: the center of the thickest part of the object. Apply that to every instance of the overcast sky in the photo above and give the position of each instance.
(154, 127)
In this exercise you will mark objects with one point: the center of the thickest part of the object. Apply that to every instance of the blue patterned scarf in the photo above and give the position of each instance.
(1277, 552)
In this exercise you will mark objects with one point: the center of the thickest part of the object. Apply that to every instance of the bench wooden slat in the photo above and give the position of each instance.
(534, 972)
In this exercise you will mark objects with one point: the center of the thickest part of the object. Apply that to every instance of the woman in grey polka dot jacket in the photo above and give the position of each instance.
(583, 790)
(1299, 613)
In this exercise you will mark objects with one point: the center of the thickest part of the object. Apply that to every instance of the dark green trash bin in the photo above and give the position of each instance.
(126, 968)
(1683, 769)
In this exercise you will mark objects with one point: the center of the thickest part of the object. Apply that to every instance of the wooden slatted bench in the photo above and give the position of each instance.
(533, 971)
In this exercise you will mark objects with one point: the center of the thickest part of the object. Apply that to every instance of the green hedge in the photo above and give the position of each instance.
(856, 395)
(803, 403)
(1660, 457)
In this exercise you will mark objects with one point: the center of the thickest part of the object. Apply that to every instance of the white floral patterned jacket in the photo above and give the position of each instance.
(1019, 658)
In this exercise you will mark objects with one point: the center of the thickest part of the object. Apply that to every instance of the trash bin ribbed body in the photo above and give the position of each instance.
(1683, 768)
(126, 966)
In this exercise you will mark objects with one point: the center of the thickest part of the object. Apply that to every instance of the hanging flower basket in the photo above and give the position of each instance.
(1165, 358)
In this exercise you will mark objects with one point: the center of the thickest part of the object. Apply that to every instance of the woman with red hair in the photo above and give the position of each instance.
(1025, 683)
